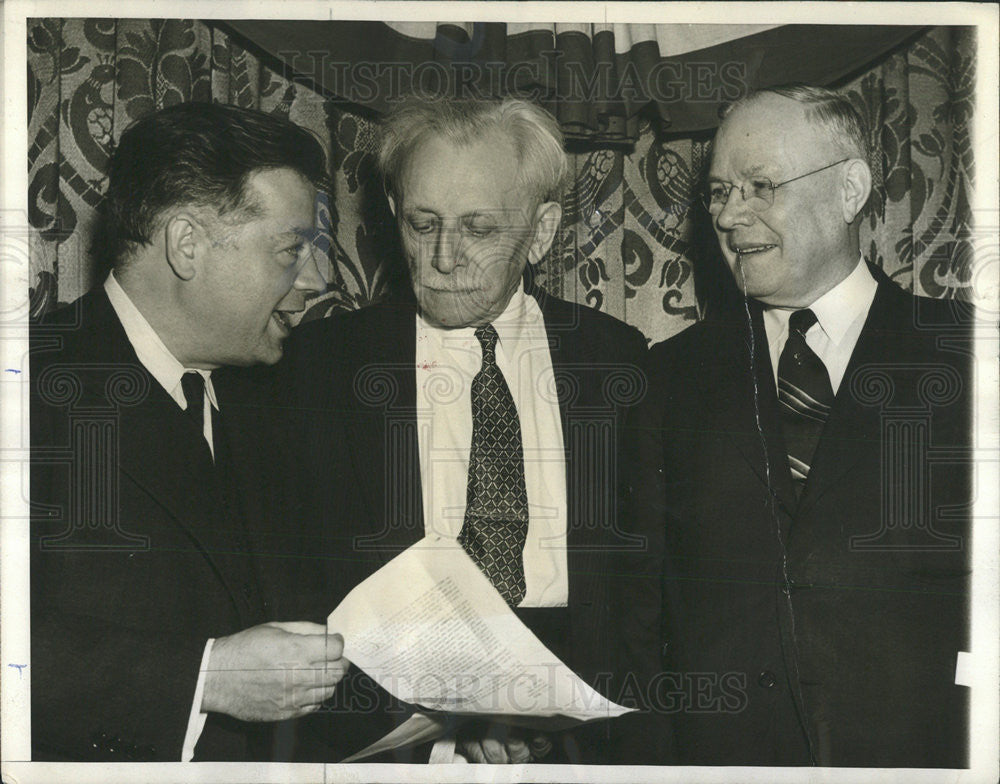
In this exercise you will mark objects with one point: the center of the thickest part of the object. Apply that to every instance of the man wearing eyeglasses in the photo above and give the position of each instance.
(814, 584)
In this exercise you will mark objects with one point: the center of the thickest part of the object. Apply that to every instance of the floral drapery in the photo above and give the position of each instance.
(633, 241)
(597, 79)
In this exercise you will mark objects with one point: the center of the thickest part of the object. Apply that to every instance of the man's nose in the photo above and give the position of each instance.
(735, 212)
(446, 250)
(309, 280)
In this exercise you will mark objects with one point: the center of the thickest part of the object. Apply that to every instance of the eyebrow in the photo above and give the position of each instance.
(465, 216)
(298, 232)
(751, 172)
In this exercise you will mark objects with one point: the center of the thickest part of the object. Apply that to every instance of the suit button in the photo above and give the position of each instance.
(766, 679)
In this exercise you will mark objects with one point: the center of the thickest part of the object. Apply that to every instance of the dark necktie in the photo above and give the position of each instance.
(805, 396)
(193, 385)
(496, 511)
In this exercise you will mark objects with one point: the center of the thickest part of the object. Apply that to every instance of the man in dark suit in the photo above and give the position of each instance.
(147, 615)
(485, 411)
(801, 478)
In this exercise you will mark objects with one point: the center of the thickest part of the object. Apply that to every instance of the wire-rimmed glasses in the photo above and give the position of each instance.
(757, 192)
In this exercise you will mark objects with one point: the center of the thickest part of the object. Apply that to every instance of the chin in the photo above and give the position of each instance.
(450, 320)
(750, 282)
(267, 354)
(443, 310)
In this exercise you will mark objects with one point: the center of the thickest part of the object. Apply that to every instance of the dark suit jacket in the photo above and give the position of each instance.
(824, 631)
(138, 551)
(350, 380)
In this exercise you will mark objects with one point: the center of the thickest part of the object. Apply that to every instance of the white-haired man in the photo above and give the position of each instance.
(484, 411)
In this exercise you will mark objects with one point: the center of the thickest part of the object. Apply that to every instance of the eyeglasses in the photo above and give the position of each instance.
(758, 193)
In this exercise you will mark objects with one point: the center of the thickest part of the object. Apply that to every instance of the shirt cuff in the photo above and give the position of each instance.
(196, 721)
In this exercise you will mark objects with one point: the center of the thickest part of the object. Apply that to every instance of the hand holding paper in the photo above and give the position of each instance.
(273, 671)
(500, 744)
(431, 629)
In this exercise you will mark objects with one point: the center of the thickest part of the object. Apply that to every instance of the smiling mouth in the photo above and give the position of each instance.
(748, 250)
(283, 319)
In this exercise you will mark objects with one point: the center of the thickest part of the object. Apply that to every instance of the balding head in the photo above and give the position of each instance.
(831, 112)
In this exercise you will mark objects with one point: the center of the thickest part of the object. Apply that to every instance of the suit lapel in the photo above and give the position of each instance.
(386, 428)
(851, 422)
(569, 354)
(737, 386)
(174, 467)
(161, 451)
(580, 394)
(242, 463)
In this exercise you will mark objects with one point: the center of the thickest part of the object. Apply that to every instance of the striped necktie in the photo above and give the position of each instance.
(805, 396)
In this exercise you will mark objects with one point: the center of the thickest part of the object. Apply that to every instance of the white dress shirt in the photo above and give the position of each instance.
(164, 367)
(156, 357)
(446, 362)
(840, 316)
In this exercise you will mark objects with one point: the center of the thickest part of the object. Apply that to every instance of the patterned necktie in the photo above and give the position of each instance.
(193, 385)
(805, 396)
(496, 511)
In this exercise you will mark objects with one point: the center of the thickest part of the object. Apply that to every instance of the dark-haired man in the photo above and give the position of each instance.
(815, 579)
(147, 614)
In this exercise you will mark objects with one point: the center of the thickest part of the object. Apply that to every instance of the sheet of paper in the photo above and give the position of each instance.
(419, 728)
(431, 629)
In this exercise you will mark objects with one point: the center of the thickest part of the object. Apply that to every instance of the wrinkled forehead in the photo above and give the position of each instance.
(769, 135)
(479, 173)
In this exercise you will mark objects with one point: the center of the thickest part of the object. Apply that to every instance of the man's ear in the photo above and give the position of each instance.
(857, 187)
(392, 204)
(180, 234)
(547, 218)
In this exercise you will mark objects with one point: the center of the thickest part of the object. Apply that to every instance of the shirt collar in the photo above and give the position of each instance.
(836, 310)
(844, 303)
(521, 320)
(151, 351)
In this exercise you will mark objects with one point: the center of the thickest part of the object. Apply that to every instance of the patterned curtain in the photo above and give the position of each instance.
(597, 79)
(633, 241)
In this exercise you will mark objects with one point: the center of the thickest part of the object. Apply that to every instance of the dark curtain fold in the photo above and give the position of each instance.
(596, 79)
(633, 241)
